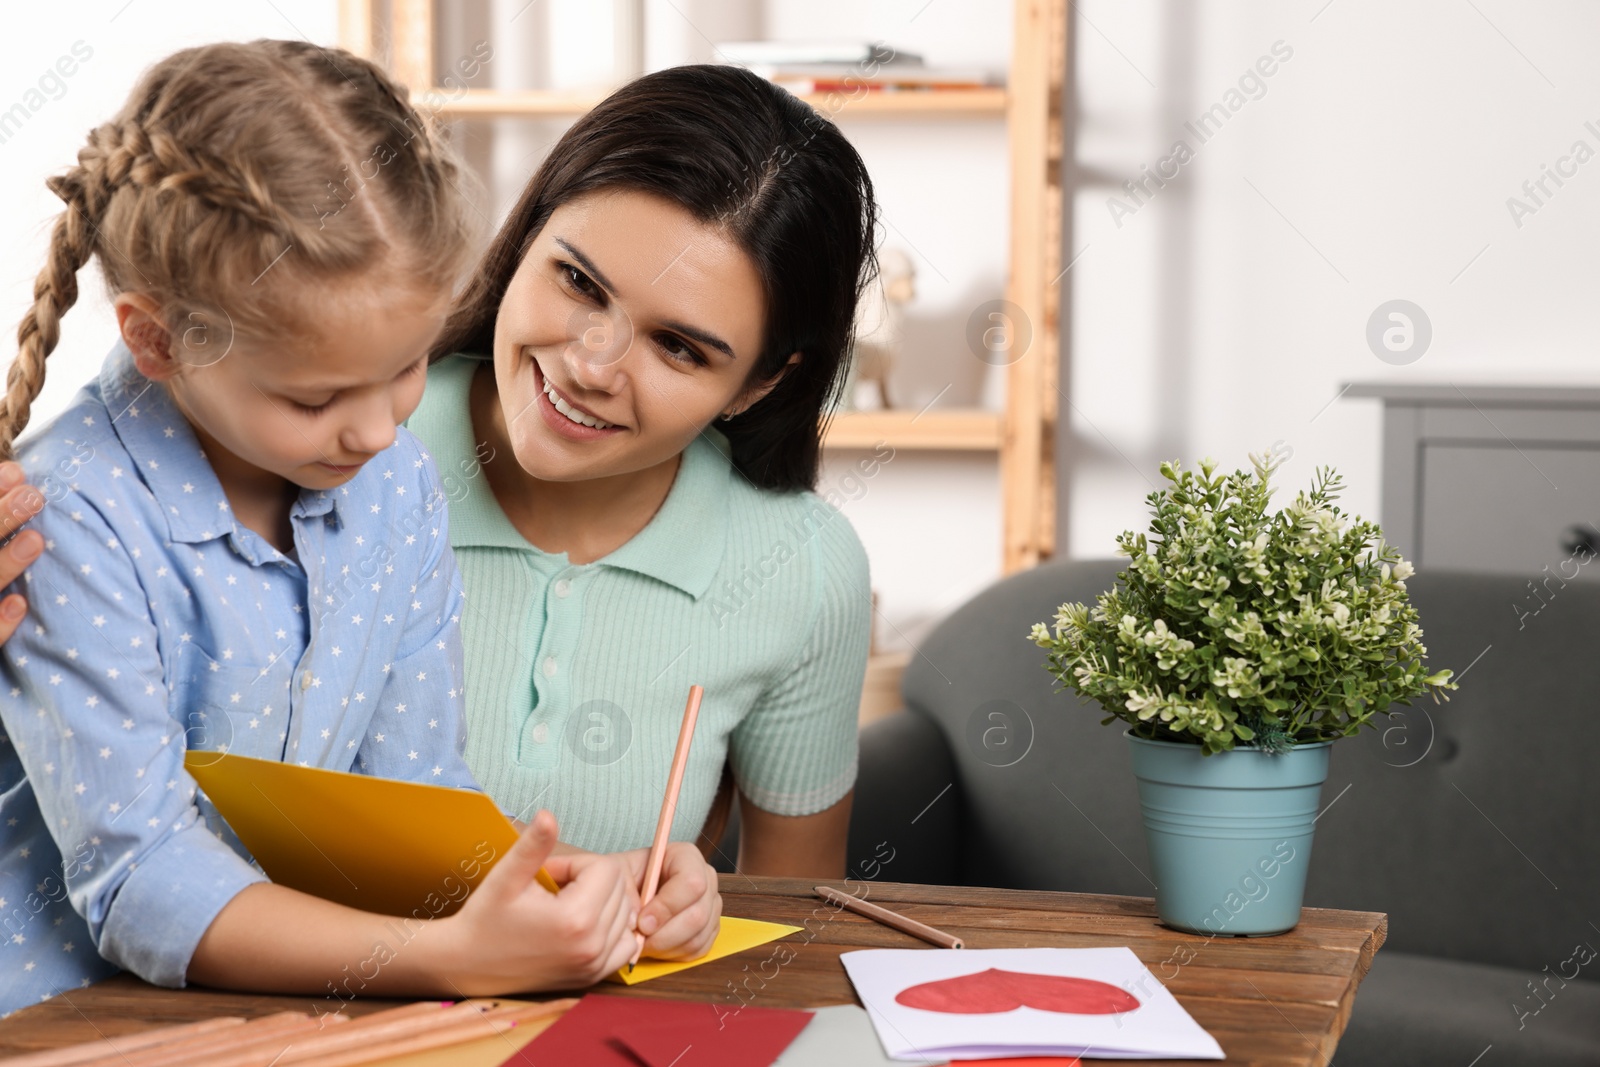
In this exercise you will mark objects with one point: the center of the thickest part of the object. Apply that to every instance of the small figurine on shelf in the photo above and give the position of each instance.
(879, 319)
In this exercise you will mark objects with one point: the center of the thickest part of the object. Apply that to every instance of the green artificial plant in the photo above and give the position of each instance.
(1236, 624)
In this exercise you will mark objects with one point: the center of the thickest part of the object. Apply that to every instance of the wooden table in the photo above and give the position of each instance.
(1275, 1001)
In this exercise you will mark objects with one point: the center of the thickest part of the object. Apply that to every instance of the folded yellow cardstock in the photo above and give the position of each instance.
(387, 846)
(736, 935)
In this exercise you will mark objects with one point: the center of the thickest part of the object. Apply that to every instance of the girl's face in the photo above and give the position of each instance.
(628, 327)
(314, 411)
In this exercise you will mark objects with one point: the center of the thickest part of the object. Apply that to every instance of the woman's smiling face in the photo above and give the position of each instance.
(628, 327)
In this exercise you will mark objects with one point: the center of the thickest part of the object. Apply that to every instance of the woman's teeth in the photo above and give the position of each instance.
(571, 412)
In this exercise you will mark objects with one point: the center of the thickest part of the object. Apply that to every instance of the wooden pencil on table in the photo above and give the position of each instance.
(491, 1022)
(930, 934)
(360, 1031)
(180, 1044)
(89, 1051)
(669, 808)
(308, 1040)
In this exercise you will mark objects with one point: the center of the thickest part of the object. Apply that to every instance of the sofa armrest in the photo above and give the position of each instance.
(906, 823)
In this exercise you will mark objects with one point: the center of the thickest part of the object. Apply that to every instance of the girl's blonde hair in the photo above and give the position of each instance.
(234, 175)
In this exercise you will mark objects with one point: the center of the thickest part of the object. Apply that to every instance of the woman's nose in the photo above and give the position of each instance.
(597, 350)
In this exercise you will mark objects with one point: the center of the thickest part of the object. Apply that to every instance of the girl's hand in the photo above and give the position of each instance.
(682, 919)
(512, 934)
(19, 503)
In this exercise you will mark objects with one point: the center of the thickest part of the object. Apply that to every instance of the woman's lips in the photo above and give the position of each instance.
(565, 427)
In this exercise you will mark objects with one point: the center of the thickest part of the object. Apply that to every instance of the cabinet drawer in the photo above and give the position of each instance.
(1498, 507)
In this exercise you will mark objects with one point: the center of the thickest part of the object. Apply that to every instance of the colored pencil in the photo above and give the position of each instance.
(360, 1031)
(890, 918)
(308, 1040)
(493, 1021)
(88, 1051)
(669, 808)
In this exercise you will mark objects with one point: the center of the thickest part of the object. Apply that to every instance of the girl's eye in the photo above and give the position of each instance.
(310, 409)
(578, 281)
(420, 364)
(675, 349)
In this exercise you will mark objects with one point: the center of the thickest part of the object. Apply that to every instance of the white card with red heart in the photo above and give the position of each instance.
(985, 1003)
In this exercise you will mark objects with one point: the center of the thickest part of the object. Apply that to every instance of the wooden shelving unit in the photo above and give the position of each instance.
(936, 430)
(547, 103)
(1023, 435)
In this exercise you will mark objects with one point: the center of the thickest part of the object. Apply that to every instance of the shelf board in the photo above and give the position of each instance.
(937, 430)
(553, 103)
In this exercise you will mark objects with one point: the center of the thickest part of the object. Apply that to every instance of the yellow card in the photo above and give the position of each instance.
(378, 844)
(387, 846)
(736, 935)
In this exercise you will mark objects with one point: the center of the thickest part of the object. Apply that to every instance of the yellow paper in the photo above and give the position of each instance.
(387, 846)
(736, 935)
(378, 844)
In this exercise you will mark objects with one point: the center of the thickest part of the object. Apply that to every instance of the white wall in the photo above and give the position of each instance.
(1391, 140)
(123, 39)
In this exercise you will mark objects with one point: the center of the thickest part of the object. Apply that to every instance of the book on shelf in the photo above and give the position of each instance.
(926, 79)
(840, 54)
(849, 66)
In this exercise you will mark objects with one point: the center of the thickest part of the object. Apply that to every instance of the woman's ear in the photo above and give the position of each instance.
(748, 399)
(146, 335)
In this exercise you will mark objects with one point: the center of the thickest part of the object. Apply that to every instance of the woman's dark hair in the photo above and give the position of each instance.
(738, 152)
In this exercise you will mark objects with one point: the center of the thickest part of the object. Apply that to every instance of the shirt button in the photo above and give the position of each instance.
(541, 734)
(549, 666)
(563, 587)
(305, 680)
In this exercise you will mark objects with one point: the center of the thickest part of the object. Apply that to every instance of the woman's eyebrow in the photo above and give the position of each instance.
(702, 336)
(588, 264)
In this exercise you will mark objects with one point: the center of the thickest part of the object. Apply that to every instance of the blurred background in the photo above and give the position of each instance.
(1214, 300)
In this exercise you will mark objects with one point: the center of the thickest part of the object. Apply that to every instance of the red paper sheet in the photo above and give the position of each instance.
(605, 1031)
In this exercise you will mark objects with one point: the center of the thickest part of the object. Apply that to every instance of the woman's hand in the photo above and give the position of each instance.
(682, 919)
(512, 934)
(19, 503)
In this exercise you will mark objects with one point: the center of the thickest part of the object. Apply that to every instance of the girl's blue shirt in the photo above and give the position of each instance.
(158, 624)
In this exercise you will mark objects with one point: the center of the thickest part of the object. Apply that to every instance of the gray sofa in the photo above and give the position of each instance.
(1475, 825)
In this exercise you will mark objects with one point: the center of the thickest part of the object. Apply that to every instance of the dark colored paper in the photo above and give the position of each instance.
(604, 1031)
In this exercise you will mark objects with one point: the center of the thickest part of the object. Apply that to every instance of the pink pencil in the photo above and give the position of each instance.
(669, 807)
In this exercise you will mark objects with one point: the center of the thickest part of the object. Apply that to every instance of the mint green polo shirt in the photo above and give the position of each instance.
(577, 674)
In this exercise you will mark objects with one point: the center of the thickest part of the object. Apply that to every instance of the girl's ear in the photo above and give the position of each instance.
(748, 399)
(146, 335)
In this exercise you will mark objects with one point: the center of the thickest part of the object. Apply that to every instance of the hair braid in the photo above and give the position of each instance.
(73, 241)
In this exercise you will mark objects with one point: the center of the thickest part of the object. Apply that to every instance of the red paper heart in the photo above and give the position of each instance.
(995, 990)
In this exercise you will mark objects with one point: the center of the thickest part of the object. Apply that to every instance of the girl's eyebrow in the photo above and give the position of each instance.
(705, 337)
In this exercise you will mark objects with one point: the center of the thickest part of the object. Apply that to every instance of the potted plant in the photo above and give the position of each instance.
(1238, 645)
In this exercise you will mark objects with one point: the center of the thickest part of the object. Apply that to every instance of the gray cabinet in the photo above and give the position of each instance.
(1492, 478)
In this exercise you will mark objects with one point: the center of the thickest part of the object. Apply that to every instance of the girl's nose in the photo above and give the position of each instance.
(371, 428)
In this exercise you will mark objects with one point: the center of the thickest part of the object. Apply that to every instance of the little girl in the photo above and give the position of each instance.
(245, 555)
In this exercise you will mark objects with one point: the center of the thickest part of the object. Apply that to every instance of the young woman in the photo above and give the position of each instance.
(627, 406)
(211, 492)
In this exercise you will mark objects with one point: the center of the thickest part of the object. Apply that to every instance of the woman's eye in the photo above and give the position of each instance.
(577, 280)
(674, 348)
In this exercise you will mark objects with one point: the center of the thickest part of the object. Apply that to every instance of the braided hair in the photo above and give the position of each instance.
(234, 175)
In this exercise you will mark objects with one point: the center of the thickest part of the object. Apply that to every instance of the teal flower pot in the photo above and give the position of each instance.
(1229, 834)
